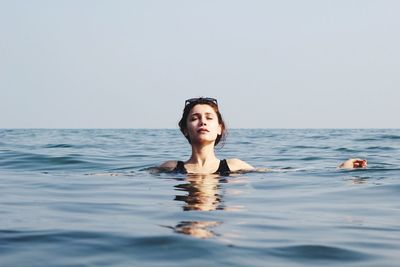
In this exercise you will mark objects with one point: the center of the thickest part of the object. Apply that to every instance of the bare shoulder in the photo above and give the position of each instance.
(169, 165)
(239, 165)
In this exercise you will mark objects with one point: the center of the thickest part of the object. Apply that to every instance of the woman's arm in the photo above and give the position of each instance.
(353, 164)
(168, 165)
(239, 165)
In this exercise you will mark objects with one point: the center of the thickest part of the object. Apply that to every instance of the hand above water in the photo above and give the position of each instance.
(354, 164)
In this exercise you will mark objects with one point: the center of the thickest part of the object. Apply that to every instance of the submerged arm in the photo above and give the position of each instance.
(239, 165)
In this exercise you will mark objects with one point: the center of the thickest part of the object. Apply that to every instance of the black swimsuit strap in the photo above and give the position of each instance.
(223, 168)
(180, 167)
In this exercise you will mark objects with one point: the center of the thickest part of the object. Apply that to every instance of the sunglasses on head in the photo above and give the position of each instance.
(201, 100)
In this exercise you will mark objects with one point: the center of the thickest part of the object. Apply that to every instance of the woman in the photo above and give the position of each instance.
(204, 128)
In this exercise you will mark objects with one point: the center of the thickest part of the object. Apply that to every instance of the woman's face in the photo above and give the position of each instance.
(203, 125)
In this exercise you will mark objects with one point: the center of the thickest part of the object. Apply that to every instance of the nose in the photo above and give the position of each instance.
(202, 121)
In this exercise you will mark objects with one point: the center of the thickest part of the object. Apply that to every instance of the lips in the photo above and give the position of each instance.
(202, 130)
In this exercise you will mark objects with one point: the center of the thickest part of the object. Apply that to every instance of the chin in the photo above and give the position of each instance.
(202, 141)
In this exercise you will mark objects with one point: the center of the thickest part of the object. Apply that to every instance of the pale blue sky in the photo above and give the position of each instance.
(131, 64)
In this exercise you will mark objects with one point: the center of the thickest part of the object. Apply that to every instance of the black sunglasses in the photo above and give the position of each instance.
(200, 100)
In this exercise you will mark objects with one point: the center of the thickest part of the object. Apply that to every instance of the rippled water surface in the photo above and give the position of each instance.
(88, 198)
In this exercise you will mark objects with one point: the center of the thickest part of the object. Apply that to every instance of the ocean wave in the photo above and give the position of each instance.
(311, 158)
(346, 149)
(383, 148)
(309, 147)
(368, 139)
(98, 248)
(58, 146)
(104, 246)
(390, 136)
(319, 252)
(31, 161)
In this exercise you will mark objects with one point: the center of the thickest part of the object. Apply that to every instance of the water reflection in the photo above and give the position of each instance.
(359, 180)
(201, 193)
(197, 229)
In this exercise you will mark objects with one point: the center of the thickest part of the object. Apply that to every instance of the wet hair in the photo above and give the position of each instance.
(203, 101)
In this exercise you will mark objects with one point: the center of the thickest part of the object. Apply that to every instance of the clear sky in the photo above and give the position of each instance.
(132, 64)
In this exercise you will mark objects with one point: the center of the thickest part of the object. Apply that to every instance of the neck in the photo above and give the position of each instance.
(203, 154)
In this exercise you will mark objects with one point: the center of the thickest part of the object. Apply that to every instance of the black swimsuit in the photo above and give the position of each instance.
(223, 168)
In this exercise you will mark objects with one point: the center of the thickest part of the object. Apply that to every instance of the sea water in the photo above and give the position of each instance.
(89, 197)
